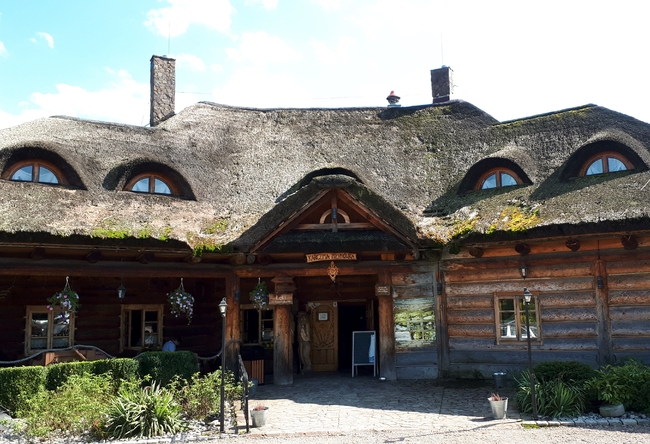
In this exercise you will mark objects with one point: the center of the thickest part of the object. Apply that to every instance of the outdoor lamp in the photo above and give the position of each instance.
(121, 290)
(527, 295)
(223, 306)
(522, 270)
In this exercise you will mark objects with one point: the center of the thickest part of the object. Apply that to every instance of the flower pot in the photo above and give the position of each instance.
(499, 408)
(609, 410)
(258, 417)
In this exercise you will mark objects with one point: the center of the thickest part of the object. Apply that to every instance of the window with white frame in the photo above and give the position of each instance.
(47, 329)
(142, 327)
(510, 315)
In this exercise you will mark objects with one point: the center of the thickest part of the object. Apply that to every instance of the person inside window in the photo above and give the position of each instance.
(170, 346)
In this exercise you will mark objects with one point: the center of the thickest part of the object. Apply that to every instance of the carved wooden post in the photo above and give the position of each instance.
(605, 355)
(282, 330)
(232, 321)
(387, 360)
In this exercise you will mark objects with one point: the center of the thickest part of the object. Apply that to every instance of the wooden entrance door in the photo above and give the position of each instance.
(325, 337)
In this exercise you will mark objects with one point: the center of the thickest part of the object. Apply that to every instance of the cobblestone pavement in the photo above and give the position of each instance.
(336, 402)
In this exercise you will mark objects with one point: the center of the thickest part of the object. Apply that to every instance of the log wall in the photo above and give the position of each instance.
(578, 320)
(98, 320)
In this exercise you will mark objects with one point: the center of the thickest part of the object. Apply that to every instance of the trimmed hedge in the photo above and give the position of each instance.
(19, 384)
(163, 366)
(119, 368)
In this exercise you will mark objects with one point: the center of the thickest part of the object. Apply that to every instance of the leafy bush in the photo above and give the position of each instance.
(143, 413)
(200, 397)
(554, 398)
(19, 384)
(162, 367)
(627, 384)
(119, 370)
(567, 371)
(75, 408)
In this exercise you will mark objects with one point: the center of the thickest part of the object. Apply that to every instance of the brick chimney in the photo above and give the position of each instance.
(163, 89)
(442, 84)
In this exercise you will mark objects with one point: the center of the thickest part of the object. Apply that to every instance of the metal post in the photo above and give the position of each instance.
(527, 297)
(222, 308)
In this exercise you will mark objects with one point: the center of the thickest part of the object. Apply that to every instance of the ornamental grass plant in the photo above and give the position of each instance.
(144, 413)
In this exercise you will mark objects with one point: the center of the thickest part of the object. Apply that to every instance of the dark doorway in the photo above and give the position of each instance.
(352, 317)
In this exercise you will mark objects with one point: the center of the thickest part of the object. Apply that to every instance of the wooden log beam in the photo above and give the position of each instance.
(48, 267)
(37, 254)
(320, 269)
(282, 345)
(94, 256)
(387, 357)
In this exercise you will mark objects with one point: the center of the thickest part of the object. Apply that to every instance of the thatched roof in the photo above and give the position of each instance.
(235, 165)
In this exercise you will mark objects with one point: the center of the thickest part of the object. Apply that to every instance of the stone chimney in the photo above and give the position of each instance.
(442, 84)
(163, 89)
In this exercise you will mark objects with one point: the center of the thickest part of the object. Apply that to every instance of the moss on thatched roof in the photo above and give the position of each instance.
(243, 170)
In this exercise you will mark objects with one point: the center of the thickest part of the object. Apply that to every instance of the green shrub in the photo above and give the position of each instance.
(162, 367)
(143, 413)
(627, 384)
(19, 384)
(200, 396)
(567, 371)
(554, 398)
(58, 374)
(76, 407)
(121, 369)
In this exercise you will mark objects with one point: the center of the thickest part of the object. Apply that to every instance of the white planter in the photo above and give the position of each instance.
(499, 408)
(612, 411)
(258, 417)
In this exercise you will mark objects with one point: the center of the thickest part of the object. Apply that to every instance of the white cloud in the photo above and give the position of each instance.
(47, 37)
(125, 101)
(261, 48)
(3, 50)
(257, 88)
(328, 5)
(215, 67)
(333, 56)
(268, 4)
(193, 62)
(174, 20)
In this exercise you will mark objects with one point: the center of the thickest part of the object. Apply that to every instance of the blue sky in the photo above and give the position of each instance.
(513, 59)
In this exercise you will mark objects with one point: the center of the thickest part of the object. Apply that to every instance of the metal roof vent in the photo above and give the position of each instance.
(393, 100)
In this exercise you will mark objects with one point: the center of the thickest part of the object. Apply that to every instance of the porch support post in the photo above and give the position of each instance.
(232, 320)
(387, 360)
(283, 331)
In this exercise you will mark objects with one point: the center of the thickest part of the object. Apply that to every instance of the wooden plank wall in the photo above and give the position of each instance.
(628, 283)
(579, 321)
(98, 319)
(568, 306)
(419, 363)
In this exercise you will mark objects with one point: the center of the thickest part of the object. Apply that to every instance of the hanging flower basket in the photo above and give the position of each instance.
(67, 299)
(260, 295)
(181, 302)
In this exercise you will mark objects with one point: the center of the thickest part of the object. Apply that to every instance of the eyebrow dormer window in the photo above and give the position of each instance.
(151, 183)
(36, 171)
(496, 178)
(608, 162)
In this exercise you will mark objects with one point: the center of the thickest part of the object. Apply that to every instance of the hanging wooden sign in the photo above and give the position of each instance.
(281, 299)
(331, 257)
(382, 290)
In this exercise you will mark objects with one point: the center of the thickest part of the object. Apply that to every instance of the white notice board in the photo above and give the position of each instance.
(364, 350)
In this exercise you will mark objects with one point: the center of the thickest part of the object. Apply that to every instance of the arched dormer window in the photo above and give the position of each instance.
(36, 170)
(605, 162)
(496, 178)
(152, 183)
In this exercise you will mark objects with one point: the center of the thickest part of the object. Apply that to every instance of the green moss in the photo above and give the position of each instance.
(165, 234)
(110, 230)
(144, 233)
(463, 227)
(219, 225)
(516, 220)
